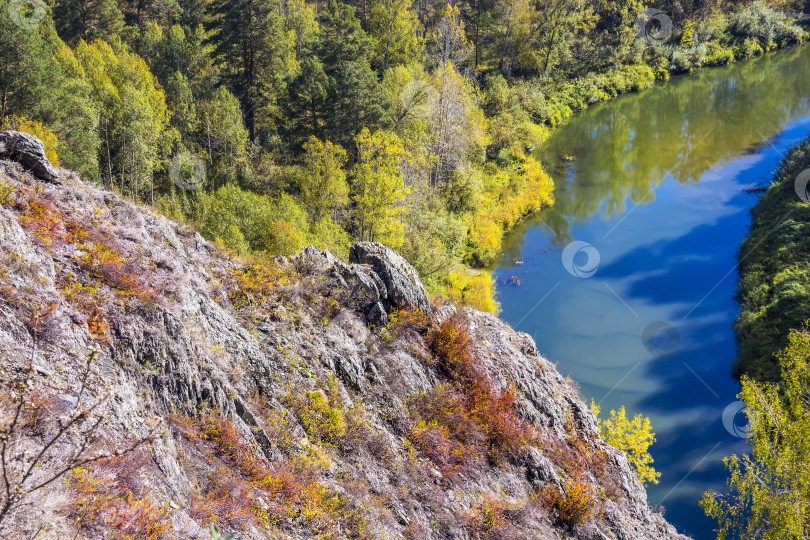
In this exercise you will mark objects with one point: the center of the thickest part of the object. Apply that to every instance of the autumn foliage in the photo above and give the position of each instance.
(112, 498)
(471, 413)
(573, 503)
(97, 251)
(246, 490)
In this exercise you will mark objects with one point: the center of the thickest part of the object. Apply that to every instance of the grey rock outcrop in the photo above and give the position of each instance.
(401, 280)
(29, 152)
(192, 349)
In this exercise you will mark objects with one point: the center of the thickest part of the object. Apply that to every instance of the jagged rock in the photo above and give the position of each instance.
(400, 278)
(28, 151)
(193, 351)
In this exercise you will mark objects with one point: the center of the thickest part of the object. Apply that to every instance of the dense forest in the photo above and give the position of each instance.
(272, 124)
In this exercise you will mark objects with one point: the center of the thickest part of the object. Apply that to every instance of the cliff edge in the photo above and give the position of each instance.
(296, 398)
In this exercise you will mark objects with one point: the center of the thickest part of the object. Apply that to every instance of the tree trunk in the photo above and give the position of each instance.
(506, 39)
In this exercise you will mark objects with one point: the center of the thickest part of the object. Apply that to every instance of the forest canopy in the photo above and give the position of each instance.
(270, 124)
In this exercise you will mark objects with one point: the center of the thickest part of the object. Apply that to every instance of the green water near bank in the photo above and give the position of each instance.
(653, 183)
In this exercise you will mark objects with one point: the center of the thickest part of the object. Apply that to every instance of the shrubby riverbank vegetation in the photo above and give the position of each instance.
(412, 124)
(767, 488)
(774, 267)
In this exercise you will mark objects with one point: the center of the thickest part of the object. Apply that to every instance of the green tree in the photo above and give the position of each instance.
(40, 79)
(257, 57)
(378, 187)
(133, 115)
(456, 125)
(25, 68)
(302, 21)
(323, 184)
(223, 135)
(448, 42)
(77, 118)
(770, 489)
(307, 107)
(633, 437)
(87, 19)
(355, 98)
(392, 25)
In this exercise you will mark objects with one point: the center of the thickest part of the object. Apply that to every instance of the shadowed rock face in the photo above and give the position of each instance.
(320, 329)
(29, 152)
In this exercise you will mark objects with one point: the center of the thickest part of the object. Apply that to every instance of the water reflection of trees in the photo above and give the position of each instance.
(624, 149)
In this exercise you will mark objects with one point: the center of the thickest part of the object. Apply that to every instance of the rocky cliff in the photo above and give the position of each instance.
(295, 398)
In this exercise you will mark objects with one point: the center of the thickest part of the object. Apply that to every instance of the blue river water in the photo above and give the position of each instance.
(650, 186)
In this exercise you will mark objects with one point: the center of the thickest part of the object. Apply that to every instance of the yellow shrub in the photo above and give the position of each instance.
(469, 288)
(38, 130)
(574, 503)
(509, 197)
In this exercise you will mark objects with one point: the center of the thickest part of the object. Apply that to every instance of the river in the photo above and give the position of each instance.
(639, 309)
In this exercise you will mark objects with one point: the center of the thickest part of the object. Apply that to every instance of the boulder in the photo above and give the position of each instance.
(29, 152)
(404, 289)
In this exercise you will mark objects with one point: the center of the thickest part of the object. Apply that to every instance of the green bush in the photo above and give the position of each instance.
(773, 291)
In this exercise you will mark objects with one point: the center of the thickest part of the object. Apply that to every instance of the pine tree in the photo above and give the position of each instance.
(87, 19)
(256, 54)
(355, 97)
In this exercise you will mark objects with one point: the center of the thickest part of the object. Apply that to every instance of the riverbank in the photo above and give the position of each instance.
(717, 42)
(656, 187)
(774, 260)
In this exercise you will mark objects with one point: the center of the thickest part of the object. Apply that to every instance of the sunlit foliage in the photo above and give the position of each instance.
(769, 489)
(633, 437)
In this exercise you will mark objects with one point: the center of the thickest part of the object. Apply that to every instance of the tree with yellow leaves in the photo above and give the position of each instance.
(323, 184)
(770, 489)
(379, 187)
(633, 437)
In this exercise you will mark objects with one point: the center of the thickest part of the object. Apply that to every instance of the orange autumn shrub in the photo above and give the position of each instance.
(574, 503)
(112, 498)
(493, 409)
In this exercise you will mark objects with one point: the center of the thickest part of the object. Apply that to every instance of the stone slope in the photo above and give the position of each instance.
(314, 365)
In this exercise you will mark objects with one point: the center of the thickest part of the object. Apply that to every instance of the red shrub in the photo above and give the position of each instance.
(101, 255)
(248, 490)
(493, 409)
